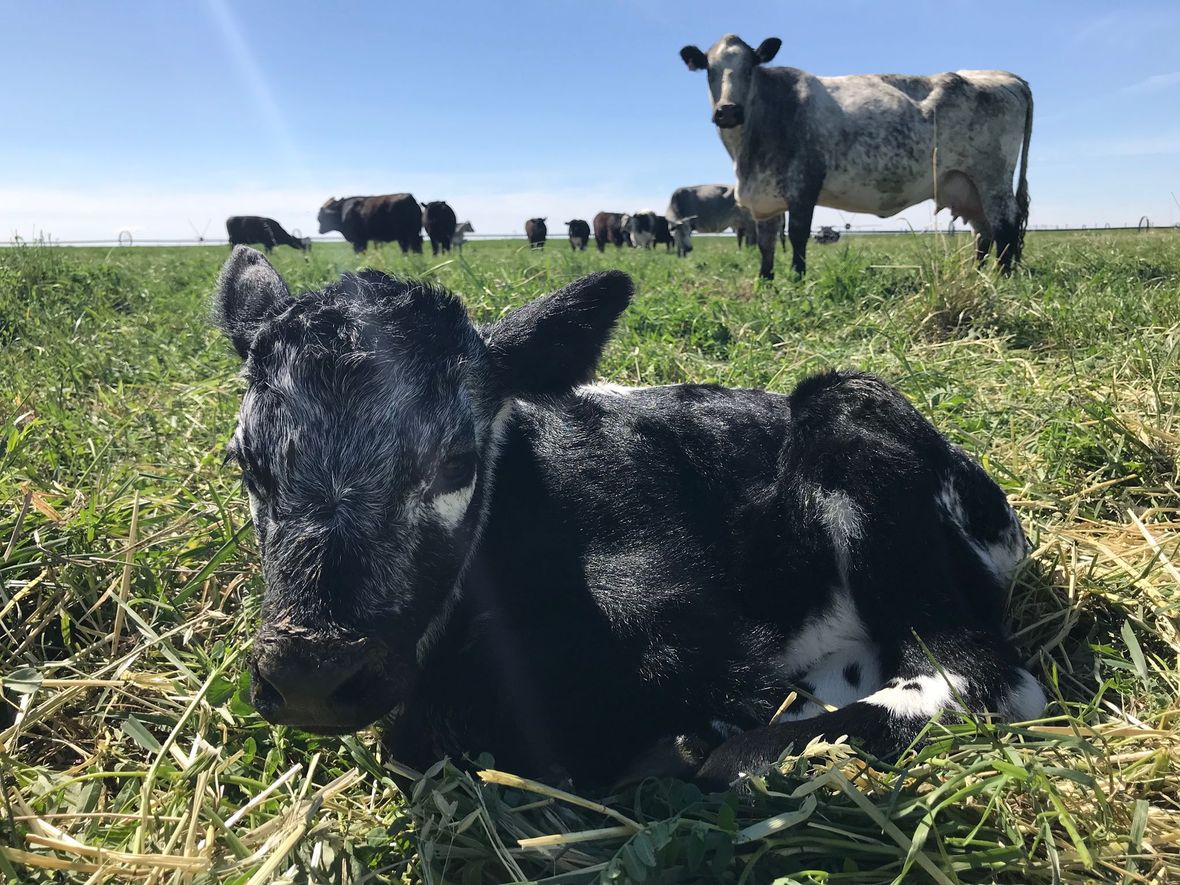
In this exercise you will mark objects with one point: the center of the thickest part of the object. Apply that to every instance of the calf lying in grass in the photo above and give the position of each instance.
(464, 543)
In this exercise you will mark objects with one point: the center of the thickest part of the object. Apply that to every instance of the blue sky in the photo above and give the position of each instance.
(162, 117)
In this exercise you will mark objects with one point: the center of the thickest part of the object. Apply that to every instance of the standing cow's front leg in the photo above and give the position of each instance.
(799, 231)
(767, 232)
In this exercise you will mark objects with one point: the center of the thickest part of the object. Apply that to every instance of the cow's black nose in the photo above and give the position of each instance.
(317, 683)
(727, 115)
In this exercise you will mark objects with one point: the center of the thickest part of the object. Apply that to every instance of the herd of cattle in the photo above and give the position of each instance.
(400, 218)
(875, 143)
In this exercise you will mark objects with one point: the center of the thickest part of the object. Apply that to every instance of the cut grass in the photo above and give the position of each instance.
(128, 579)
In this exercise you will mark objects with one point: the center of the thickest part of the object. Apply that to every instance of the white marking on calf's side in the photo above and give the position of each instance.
(842, 518)
(831, 686)
(838, 627)
(1001, 555)
(926, 696)
(606, 388)
(1024, 701)
(831, 641)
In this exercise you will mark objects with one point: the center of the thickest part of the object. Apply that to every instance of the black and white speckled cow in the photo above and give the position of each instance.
(875, 143)
(463, 540)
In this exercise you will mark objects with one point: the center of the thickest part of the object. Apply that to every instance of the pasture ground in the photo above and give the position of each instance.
(127, 578)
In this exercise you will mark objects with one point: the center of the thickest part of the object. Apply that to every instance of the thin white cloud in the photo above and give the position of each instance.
(1155, 83)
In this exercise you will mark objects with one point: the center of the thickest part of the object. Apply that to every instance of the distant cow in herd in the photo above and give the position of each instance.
(708, 209)
(392, 218)
(608, 228)
(439, 220)
(481, 552)
(248, 230)
(579, 234)
(874, 143)
(536, 231)
(641, 228)
(461, 232)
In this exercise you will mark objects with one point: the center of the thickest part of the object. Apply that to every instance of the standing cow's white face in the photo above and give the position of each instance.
(730, 63)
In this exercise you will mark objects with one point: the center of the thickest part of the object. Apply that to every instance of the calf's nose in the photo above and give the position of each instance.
(308, 681)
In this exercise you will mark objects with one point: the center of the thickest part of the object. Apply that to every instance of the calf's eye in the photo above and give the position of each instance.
(453, 474)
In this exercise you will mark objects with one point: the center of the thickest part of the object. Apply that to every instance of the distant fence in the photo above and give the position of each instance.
(127, 239)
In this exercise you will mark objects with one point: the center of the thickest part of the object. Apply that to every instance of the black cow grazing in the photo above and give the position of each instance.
(392, 218)
(462, 541)
(870, 143)
(246, 230)
(661, 233)
(608, 228)
(439, 220)
(579, 234)
(536, 231)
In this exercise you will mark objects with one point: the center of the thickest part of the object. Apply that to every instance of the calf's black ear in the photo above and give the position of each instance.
(552, 344)
(248, 291)
(694, 58)
(768, 49)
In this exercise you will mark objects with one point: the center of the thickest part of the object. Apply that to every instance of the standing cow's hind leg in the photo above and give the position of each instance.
(1002, 215)
(798, 231)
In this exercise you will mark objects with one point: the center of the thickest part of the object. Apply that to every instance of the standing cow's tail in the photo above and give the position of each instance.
(1022, 184)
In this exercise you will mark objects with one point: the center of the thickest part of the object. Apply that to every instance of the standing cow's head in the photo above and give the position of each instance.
(330, 215)
(730, 63)
(367, 440)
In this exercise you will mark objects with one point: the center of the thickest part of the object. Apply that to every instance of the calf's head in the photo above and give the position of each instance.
(681, 231)
(730, 63)
(367, 440)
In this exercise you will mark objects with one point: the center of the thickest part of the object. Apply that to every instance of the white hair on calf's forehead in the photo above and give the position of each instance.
(495, 439)
(452, 506)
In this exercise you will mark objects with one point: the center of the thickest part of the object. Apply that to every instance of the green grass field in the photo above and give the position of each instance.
(128, 580)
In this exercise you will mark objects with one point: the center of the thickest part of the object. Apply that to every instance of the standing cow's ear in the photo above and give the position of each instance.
(552, 344)
(694, 58)
(767, 49)
(248, 291)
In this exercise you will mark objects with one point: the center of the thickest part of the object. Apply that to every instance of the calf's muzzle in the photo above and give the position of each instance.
(321, 682)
